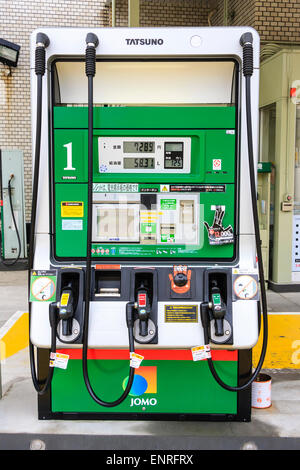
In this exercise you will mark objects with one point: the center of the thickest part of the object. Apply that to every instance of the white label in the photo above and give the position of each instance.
(135, 360)
(217, 164)
(59, 360)
(201, 352)
(249, 271)
(70, 224)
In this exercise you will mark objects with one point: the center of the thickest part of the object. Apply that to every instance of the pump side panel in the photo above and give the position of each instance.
(160, 386)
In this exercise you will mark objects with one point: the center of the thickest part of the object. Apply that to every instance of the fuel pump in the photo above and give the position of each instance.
(145, 278)
(8, 263)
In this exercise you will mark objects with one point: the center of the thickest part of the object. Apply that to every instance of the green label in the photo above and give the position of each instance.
(168, 204)
(148, 227)
(43, 286)
(216, 299)
(167, 238)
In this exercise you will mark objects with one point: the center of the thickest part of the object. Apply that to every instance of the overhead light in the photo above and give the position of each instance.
(9, 53)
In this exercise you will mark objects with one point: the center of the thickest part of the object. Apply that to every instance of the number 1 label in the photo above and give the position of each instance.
(69, 157)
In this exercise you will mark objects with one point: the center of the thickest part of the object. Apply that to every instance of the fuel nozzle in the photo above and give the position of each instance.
(143, 308)
(217, 308)
(66, 310)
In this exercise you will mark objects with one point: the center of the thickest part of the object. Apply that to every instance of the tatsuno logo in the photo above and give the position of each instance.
(144, 42)
(145, 381)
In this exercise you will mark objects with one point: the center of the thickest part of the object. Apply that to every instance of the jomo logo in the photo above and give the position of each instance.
(144, 382)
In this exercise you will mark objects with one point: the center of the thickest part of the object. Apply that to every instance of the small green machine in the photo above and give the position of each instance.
(145, 259)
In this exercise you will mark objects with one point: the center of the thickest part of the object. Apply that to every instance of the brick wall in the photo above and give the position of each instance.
(275, 21)
(18, 20)
(167, 12)
(278, 21)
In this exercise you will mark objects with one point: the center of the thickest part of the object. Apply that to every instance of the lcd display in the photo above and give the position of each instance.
(139, 147)
(174, 147)
(139, 163)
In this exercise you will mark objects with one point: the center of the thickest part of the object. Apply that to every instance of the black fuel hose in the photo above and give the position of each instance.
(90, 69)
(2, 260)
(41, 386)
(246, 42)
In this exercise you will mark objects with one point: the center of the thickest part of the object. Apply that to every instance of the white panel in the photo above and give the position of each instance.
(245, 324)
(148, 82)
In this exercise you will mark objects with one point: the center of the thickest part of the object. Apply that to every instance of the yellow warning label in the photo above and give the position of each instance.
(181, 313)
(64, 300)
(72, 209)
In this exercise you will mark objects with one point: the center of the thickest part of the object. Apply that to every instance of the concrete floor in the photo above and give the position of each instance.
(277, 427)
(13, 293)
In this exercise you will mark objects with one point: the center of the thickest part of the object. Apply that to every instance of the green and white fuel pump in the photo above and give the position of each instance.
(145, 258)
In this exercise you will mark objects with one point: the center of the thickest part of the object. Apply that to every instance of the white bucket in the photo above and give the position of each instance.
(261, 391)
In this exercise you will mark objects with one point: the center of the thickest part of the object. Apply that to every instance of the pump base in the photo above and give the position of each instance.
(169, 386)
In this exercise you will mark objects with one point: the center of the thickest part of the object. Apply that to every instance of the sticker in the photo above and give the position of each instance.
(72, 209)
(245, 287)
(64, 300)
(230, 131)
(164, 188)
(168, 204)
(217, 164)
(148, 227)
(181, 313)
(198, 188)
(115, 188)
(250, 271)
(217, 234)
(167, 238)
(43, 286)
(201, 352)
(135, 360)
(59, 360)
(72, 224)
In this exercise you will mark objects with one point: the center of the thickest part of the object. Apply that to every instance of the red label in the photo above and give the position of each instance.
(142, 300)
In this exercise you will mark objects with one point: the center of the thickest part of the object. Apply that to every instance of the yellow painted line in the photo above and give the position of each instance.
(283, 350)
(14, 335)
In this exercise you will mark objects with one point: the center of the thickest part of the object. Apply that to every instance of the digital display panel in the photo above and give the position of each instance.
(174, 147)
(139, 163)
(173, 155)
(139, 147)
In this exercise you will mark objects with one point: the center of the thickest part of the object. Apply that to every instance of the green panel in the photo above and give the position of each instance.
(71, 230)
(182, 387)
(206, 145)
(71, 155)
(147, 117)
(219, 156)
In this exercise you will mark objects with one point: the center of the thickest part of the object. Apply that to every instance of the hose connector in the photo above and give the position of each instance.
(246, 41)
(42, 42)
(92, 42)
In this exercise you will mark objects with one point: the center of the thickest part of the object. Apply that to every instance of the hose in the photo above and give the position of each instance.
(90, 70)
(3, 261)
(247, 44)
(42, 41)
